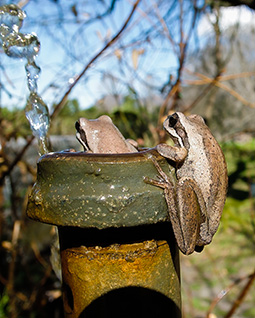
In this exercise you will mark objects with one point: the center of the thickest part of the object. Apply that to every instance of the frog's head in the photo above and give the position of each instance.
(182, 128)
(175, 126)
(100, 135)
(94, 134)
(81, 135)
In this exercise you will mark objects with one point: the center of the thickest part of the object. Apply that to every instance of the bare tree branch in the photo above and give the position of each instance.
(174, 91)
(226, 290)
(217, 82)
(242, 295)
(108, 44)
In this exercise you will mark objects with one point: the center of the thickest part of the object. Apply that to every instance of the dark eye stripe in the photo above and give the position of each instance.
(172, 121)
(77, 125)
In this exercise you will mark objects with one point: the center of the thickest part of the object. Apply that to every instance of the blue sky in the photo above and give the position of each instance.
(57, 68)
(54, 64)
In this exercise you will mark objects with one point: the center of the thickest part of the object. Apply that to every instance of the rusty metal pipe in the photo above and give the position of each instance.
(118, 252)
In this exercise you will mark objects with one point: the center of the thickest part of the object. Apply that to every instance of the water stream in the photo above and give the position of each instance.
(26, 46)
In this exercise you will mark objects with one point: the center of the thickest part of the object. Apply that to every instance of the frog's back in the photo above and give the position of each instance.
(109, 140)
(219, 182)
(208, 167)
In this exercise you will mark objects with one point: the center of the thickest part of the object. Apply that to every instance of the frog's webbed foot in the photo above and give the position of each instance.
(156, 182)
(162, 180)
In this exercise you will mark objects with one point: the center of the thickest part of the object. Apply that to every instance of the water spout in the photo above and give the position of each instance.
(19, 45)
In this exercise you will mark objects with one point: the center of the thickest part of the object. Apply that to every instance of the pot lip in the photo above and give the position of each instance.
(142, 155)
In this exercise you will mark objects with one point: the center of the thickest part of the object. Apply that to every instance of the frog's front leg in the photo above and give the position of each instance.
(176, 154)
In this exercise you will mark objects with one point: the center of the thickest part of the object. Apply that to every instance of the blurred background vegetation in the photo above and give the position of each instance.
(212, 75)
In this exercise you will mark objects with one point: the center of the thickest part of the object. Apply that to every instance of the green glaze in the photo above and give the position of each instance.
(100, 191)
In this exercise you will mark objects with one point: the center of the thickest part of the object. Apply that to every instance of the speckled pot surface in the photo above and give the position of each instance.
(100, 191)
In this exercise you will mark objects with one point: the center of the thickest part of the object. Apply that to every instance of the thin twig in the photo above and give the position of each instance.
(108, 44)
(203, 93)
(164, 25)
(174, 92)
(226, 290)
(36, 291)
(12, 266)
(217, 83)
(221, 78)
(23, 3)
(17, 159)
(241, 296)
(38, 255)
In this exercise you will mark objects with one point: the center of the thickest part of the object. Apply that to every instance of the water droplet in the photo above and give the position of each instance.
(71, 80)
(18, 45)
(38, 117)
(33, 72)
(98, 171)
(12, 16)
(4, 33)
(37, 114)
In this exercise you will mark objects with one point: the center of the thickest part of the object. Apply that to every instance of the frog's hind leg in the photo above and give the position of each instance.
(192, 213)
(180, 233)
(184, 216)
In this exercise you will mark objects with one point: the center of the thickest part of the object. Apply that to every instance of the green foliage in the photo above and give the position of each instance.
(14, 123)
(231, 254)
(239, 210)
(70, 108)
(4, 307)
(133, 119)
(236, 152)
(64, 123)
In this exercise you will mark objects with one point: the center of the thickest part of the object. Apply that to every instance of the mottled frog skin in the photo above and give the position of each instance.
(196, 202)
(102, 136)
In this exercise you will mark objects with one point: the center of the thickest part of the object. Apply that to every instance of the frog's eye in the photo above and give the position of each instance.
(172, 121)
(77, 125)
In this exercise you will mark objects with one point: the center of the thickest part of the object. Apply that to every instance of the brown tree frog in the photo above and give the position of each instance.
(102, 136)
(196, 202)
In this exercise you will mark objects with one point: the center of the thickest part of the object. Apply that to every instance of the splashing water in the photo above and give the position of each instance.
(19, 45)
(38, 117)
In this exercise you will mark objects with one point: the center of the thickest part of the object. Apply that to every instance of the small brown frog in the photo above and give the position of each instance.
(196, 202)
(102, 136)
